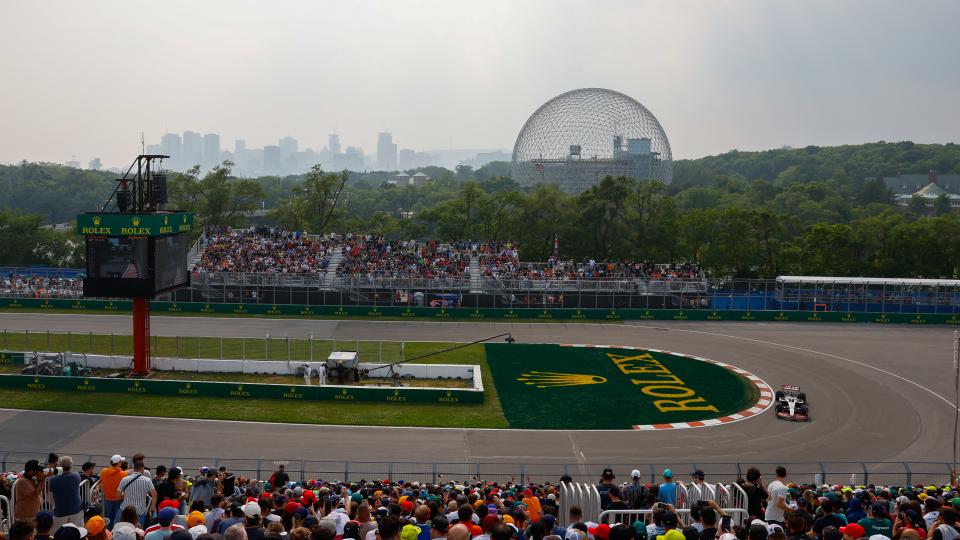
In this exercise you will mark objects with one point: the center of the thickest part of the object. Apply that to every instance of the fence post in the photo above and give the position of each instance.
(522, 473)
(303, 467)
(178, 347)
(823, 471)
(389, 471)
(311, 346)
(346, 471)
(266, 347)
(112, 341)
(4, 342)
(90, 342)
(866, 473)
(48, 340)
(434, 481)
(381, 358)
(69, 340)
(26, 340)
(287, 339)
(243, 348)
(259, 475)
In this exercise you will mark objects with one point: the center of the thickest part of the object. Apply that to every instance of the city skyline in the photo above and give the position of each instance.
(746, 75)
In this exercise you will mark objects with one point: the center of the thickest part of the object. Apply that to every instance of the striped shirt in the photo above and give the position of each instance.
(136, 488)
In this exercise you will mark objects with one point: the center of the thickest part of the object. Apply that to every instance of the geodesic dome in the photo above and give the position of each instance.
(578, 137)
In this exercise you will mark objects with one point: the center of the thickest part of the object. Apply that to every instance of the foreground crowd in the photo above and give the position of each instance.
(35, 286)
(143, 504)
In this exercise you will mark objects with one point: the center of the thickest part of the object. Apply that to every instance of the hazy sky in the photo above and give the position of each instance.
(85, 78)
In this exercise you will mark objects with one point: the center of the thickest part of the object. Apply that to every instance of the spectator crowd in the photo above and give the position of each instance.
(40, 286)
(140, 503)
(264, 250)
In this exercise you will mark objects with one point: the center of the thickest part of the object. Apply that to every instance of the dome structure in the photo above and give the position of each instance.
(579, 137)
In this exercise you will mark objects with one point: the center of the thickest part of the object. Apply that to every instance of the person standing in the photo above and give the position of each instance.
(110, 478)
(65, 489)
(135, 489)
(279, 479)
(778, 493)
(26, 491)
(756, 494)
(667, 492)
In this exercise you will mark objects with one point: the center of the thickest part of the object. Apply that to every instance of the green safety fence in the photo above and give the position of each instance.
(41, 383)
(426, 313)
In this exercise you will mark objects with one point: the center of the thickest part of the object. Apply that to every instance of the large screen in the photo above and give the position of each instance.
(118, 257)
(170, 261)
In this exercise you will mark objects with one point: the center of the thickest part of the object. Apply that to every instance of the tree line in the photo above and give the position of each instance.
(821, 211)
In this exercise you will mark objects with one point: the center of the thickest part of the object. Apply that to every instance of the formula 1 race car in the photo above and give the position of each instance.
(791, 404)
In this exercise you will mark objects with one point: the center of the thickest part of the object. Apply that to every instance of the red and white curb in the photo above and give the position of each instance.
(764, 403)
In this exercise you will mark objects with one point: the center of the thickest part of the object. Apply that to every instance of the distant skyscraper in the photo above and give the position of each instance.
(95, 164)
(240, 154)
(271, 159)
(192, 149)
(351, 160)
(170, 146)
(154, 149)
(211, 150)
(386, 152)
(288, 146)
(333, 143)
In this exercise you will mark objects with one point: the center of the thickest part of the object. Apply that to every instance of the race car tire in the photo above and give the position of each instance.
(803, 396)
(779, 395)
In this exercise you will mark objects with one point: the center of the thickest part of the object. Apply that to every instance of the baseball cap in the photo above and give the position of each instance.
(251, 510)
(194, 518)
(879, 537)
(955, 503)
(69, 531)
(601, 531)
(409, 532)
(169, 503)
(854, 530)
(669, 520)
(489, 522)
(635, 474)
(672, 534)
(698, 474)
(166, 515)
(96, 524)
(124, 531)
(44, 521)
(608, 473)
(115, 459)
(667, 473)
(197, 530)
(639, 529)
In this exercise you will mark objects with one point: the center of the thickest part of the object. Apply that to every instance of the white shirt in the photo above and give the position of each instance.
(776, 489)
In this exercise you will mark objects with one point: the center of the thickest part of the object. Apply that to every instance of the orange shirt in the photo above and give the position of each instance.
(110, 478)
(533, 507)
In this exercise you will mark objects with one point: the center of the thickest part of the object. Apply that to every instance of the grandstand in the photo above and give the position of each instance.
(270, 266)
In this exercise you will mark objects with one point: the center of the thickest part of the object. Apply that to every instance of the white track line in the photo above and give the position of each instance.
(811, 351)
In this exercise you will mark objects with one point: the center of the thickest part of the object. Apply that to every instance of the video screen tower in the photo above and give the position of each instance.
(136, 249)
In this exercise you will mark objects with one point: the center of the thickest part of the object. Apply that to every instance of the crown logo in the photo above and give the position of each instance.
(549, 379)
(449, 393)
(166, 220)
(86, 381)
(36, 379)
(344, 391)
(96, 220)
(239, 387)
(135, 221)
(136, 384)
(184, 218)
(188, 385)
(396, 392)
(292, 389)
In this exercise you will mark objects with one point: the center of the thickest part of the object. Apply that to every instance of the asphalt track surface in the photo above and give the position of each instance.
(876, 392)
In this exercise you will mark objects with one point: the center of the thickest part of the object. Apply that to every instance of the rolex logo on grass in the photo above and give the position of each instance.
(550, 379)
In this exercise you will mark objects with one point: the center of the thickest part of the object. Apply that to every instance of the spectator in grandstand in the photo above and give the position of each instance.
(778, 494)
(88, 472)
(945, 526)
(279, 479)
(852, 532)
(251, 513)
(667, 492)
(756, 494)
(205, 486)
(235, 518)
(65, 489)
(876, 521)
(603, 487)
(616, 502)
(236, 532)
(708, 523)
(26, 491)
(135, 488)
(226, 482)
(174, 488)
(21, 529)
(96, 528)
(832, 515)
(164, 526)
(110, 478)
(931, 508)
(44, 524)
(458, 532)
(69, 531)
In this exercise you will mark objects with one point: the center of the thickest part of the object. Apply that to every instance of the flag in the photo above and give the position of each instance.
(556, 247)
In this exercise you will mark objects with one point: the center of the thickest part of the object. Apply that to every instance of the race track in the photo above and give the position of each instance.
(877, 393)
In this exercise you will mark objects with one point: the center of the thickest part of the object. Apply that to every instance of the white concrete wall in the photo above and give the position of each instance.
(280, 367)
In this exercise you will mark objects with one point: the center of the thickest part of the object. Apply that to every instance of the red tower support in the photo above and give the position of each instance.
(141, 336)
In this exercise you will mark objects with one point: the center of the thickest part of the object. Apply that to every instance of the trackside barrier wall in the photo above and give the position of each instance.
(424, 313)
(579, 494)
(95, 385)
